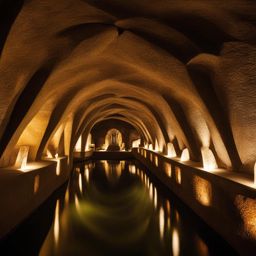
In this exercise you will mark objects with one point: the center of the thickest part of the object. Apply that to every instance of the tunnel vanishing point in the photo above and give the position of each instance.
(171, 83)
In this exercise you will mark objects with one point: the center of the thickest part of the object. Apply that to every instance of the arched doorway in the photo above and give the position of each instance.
(114, 140)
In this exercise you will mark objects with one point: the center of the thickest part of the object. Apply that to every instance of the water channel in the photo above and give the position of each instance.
(113, 208)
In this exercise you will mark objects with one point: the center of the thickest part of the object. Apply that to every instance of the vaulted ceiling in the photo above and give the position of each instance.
(178, 71)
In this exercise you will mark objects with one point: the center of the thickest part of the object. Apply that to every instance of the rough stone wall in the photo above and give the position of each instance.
(178, 71)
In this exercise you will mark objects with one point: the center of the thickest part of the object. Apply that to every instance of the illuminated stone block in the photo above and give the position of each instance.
(178, 174)
(22, 158)
(203, 191)
(209, 161)
(185, 155)
(171, 150)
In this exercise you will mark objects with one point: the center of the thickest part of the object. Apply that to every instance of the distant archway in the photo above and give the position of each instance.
(113, 140)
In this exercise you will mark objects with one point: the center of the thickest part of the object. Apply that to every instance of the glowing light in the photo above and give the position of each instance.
(156, 146)
(151, 191)
(56, 227)
(178, 174)
(156, 161)
(136, 143)
(146, 145)
(203, 191)
(58, 167)
(185, 155)
(78, 146)
(77, 204)
(80, 182)
(49, 154)
(209, 161)
(161, 222)
(148, 182)
(132, 169)
(113, 137)
(56, 155)
(151, 157)
(87, 177)
(88, 142)
(175, 243)
(150, 147)
(22, 158)
(67, 196)
(171, 150)
(155, 197)
(36, 183)
(168, 169)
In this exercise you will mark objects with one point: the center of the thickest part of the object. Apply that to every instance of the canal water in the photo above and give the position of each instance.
(113, 208)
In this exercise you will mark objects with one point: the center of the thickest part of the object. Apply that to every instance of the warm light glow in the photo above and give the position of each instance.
(78, 146)
(56, 227)
(178, 174)
(156, 161)
(161, 222)
(209, 161)
(80, 183)
(113, 137)
(168, 169)
(136, 143)
(185, 155)
(22, 157)
(132, 169)
(88, 142)
(67, 196)
(151, 157)
(151, 191)
(57, 166)
(56, 155)
(145, 153)
(36, 183)
(203, 191)
(155, 197)
(171, 150)
(77, 204)
(146, 145)
(175, 243)
(49, 154)
(150, 147)
(156, 146)
(87, 177)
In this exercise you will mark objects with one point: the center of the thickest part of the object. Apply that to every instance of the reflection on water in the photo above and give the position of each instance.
(116, 208)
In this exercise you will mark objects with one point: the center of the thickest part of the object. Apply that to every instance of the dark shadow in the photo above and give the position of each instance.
(78, 33)
(183, 54)
(9, 9)
(185, 126)
(205, 34)
(28, 237)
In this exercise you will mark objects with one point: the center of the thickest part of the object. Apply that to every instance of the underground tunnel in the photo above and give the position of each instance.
(127, 127)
